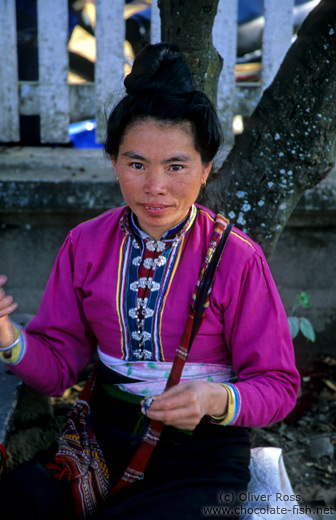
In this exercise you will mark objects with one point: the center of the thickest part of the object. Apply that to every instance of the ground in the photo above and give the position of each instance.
(308, 441)
(308, 435)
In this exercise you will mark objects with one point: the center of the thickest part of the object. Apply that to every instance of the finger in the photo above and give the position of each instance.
(163, 409)
(5, 301)
(184, 404)
(170, 403)
(179, 418)
(177, 397)
(8, 310)
(171, 395)
(3, 279)
(163, 402)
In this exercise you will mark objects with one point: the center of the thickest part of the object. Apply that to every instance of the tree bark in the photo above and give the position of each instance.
(289, 142)
(190, 27)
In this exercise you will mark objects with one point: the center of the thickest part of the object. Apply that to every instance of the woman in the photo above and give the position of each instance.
(124, 282)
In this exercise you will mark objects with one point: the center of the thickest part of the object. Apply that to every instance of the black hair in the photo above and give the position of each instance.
(160, 87)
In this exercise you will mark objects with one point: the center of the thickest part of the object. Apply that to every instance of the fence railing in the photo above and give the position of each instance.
(57, 102)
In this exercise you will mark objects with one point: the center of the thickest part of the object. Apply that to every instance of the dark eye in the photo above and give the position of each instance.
(137, 165)
(176, 167)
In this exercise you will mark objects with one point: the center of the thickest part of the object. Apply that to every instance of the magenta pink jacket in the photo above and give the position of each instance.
(245, 325)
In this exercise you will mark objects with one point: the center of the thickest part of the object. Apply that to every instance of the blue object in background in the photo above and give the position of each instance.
(83, 134)
(249, 10)
(145, 14)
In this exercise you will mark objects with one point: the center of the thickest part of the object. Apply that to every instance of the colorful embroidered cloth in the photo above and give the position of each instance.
(147, 270)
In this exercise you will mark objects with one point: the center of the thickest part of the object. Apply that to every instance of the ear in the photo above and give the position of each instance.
(206, 171)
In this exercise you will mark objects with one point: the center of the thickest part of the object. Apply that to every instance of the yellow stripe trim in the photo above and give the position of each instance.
(167, 292)
(243, 239)
(207, 214)
(120, 264)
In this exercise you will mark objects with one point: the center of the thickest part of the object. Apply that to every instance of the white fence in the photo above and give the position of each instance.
(57, 102)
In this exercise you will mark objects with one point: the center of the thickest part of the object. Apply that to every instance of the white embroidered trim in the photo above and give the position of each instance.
(143, 283)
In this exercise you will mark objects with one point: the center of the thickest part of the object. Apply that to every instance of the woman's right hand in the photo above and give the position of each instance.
(7, 305)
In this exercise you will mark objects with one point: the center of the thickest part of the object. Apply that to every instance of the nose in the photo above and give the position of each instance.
(155, 183)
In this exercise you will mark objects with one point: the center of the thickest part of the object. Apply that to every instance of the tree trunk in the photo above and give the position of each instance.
(289, 142)
(190, 27)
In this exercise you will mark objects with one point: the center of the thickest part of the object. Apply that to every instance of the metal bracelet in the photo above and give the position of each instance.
(16, 342)
(147, 403)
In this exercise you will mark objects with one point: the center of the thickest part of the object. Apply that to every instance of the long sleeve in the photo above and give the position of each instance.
(58, 342)
(257, 334)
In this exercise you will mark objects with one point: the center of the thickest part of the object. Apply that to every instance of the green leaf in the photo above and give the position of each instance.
(304, 300)
(144, 391)
(129, 371)
(294, 326)
(210, 378)
(307, 329)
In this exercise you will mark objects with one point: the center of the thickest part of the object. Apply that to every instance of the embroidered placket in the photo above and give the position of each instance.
(151, 259)
(147, 268)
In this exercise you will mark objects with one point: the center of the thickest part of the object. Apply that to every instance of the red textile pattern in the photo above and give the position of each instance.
(79, 458)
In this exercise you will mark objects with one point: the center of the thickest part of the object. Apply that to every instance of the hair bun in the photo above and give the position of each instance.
(159, 68)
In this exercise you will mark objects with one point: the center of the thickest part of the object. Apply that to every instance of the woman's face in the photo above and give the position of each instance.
(160, 173)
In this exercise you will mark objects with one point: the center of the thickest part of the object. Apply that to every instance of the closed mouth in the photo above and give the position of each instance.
(155, 206)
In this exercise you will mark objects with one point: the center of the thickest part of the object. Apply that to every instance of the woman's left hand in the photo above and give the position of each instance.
(183, 406)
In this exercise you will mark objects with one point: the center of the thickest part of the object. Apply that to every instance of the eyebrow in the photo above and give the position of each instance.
(175, 158)
(133, 155)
